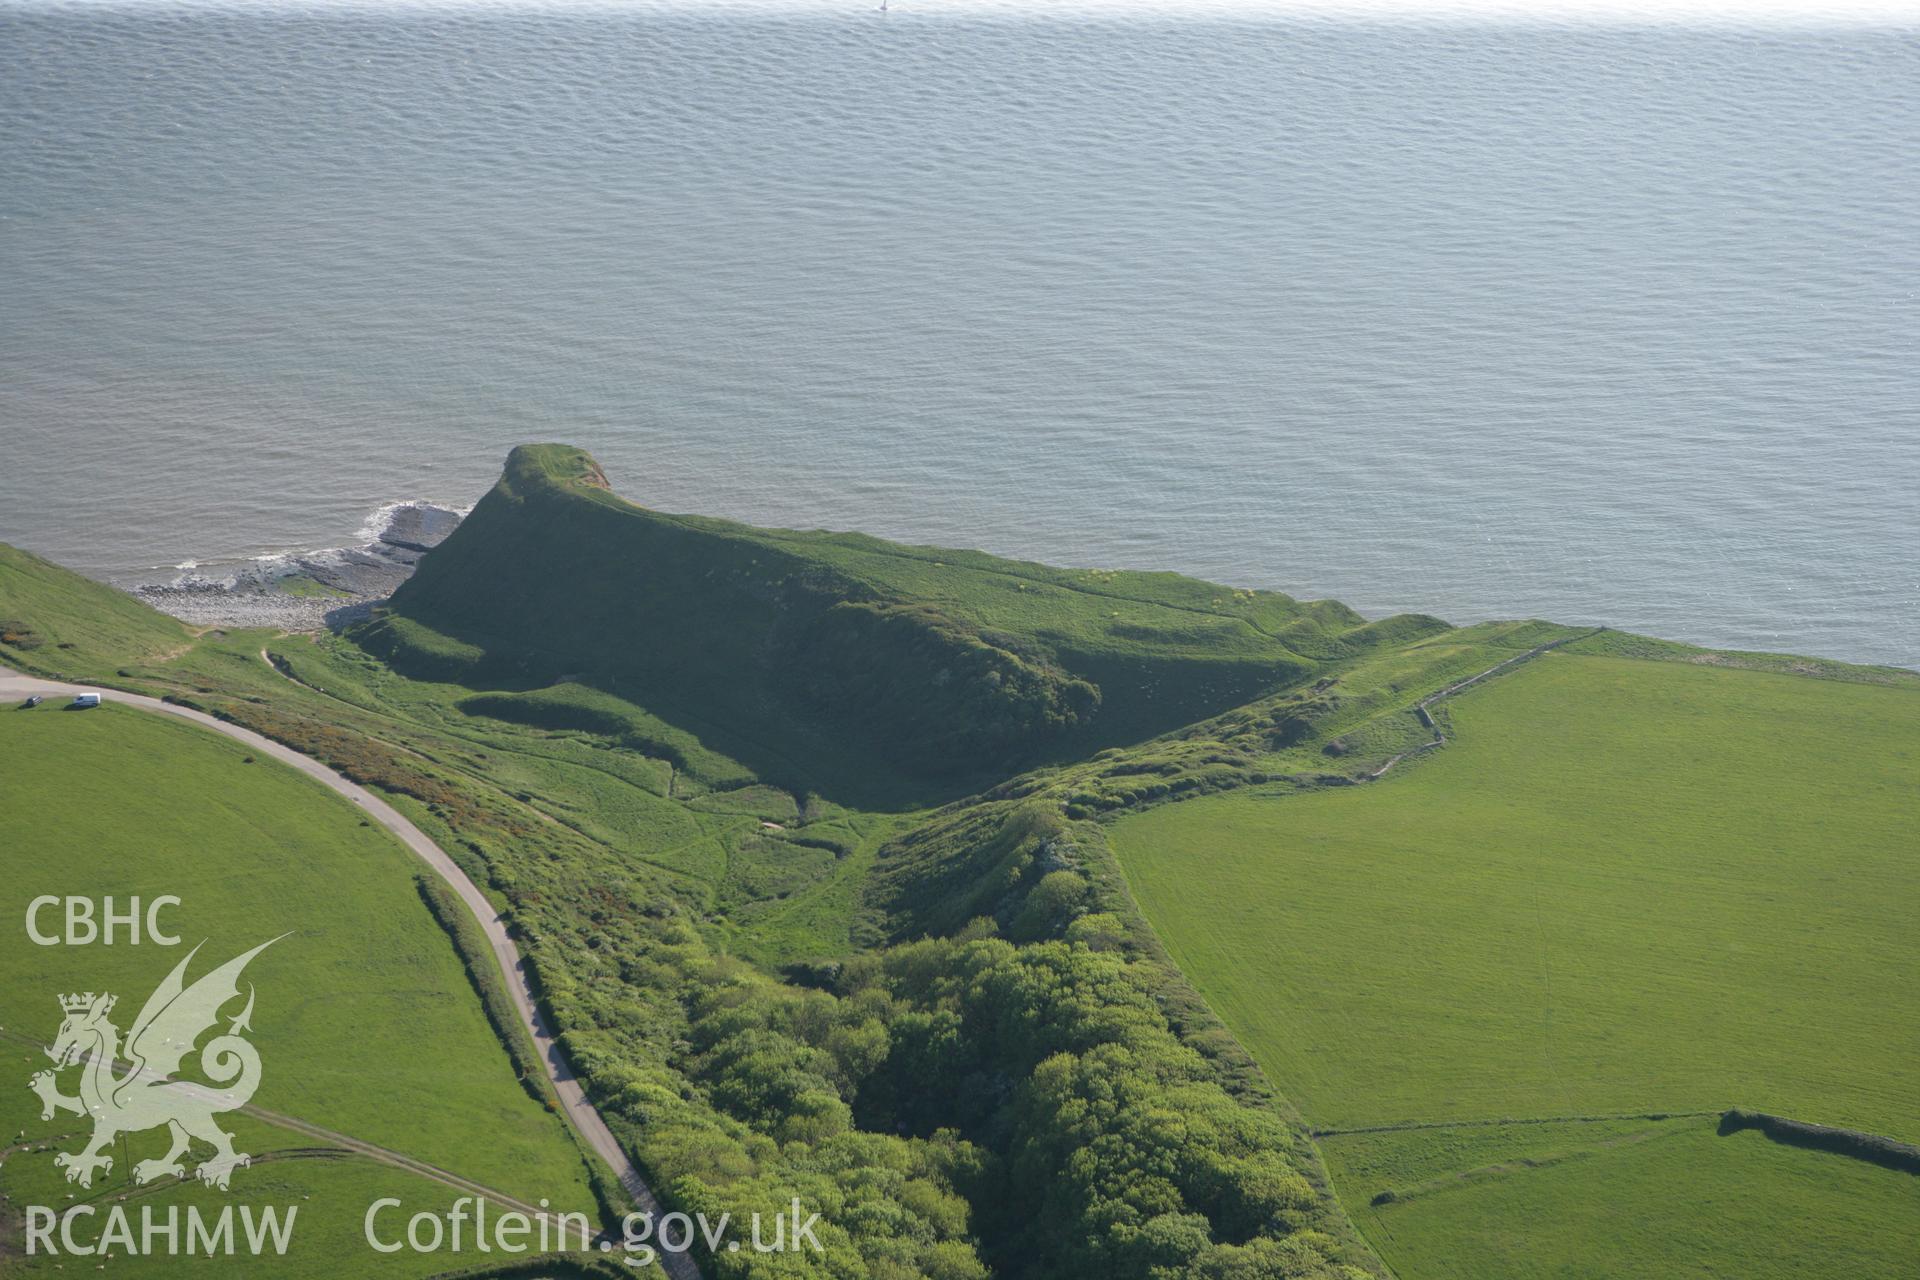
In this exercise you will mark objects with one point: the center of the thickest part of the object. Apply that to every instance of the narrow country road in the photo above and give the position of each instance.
(15, 688)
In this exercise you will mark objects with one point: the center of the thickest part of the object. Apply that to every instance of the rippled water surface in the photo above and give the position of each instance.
(1601, 324)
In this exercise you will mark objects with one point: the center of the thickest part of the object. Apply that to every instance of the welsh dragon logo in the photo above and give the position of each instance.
(145, 1096)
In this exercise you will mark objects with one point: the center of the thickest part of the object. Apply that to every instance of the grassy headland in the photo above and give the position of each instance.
(835, 662)
(806, 837)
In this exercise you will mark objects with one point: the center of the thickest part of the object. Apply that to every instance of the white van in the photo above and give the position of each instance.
(86, 700)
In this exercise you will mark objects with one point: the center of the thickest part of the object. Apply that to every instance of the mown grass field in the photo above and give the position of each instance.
(1630, 1198)
(1626, 887)
(365, 1022)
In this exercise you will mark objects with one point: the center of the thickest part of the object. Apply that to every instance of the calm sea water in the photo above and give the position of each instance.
(1599, 324)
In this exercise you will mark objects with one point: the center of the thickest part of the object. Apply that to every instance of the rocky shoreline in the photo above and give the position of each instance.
(310, 590)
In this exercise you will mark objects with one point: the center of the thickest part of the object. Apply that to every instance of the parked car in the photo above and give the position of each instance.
(84, 700)
(31, 703)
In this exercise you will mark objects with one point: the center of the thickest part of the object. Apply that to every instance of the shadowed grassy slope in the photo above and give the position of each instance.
(829, 660)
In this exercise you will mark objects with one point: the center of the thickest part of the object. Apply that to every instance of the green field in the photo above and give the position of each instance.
(365, 1022)
(1623, 1198)
(329, 1193)
(1626, 887)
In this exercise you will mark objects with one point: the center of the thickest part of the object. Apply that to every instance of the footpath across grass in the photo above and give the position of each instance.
(329, 1192)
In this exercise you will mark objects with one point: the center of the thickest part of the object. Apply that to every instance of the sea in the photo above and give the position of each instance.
(1605, 321)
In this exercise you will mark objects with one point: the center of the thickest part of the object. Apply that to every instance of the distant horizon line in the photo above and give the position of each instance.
(1684, 14)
